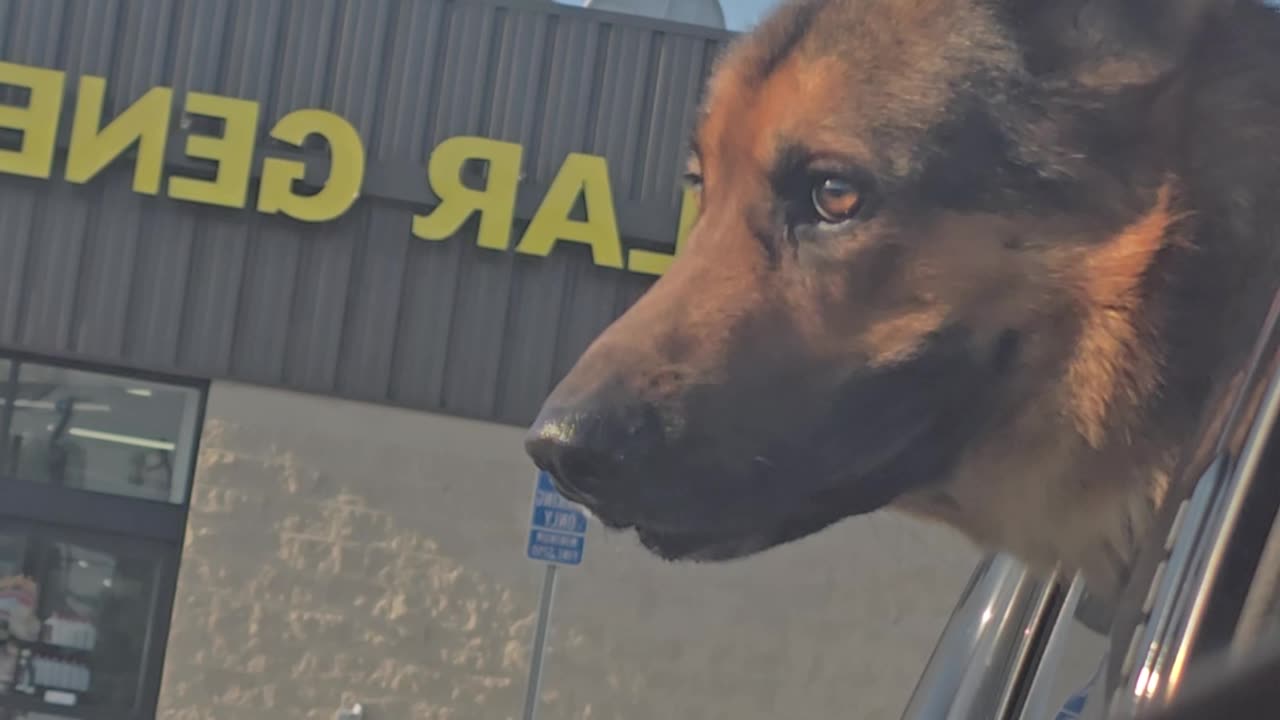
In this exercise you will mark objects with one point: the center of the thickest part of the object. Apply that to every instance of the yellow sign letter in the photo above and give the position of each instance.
(346, 174)
(496, 203)
(145, 122)
(233, 152)
(588, 175)
(38, 121)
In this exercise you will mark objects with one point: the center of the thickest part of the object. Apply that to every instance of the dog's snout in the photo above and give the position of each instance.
(587, 451)
(568, 446)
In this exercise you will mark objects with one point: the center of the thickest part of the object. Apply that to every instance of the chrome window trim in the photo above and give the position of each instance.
(1195, 554)
(977, 668)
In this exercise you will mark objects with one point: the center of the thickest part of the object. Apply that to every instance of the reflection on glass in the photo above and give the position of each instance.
(73, 623)
(98, 432)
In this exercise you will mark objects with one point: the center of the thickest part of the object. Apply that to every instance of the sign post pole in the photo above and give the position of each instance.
(540, 643)
(557, 536)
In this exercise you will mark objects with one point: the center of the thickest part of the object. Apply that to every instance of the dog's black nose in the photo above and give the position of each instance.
(586, 451)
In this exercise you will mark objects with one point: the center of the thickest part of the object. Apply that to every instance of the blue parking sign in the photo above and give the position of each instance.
(557, 528)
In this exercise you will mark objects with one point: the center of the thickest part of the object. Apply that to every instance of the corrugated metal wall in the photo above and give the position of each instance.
(357, 307)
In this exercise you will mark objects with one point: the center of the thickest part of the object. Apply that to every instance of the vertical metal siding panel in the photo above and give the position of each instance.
(54, 258)
(163, 247)
(477, 344)
(102, 293)
(369, 333)
(8, 18)
(36, 34)
(591, 299)
(204, 33)
(144, 49)
(52, 267)
(523, 105)
(212, 331)
(653, 170)
(201, 40)
(275, 263)
(20, 200)
(619, 134)
(304, 71)
(252, 59)
(33, 37)
(472, 92)
(359, 77)
(351, 37)
(107, 274)
(209, 313)
(92, 38)
(370, 340)
(541, 286)
(571, 92)
(134, 63)
(670, 120)
(661, 143)
(674, 95)
(422, 39)
(434, 270)
(320, 299)
(431, 276)
(519, 75)
(271, 267)
(462, 97)
(162, 263)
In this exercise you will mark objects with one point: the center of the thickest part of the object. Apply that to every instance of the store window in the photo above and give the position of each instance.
(94, 481)
(97, 432)
(74, 619)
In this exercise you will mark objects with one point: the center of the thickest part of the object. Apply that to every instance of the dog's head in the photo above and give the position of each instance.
(924, 246)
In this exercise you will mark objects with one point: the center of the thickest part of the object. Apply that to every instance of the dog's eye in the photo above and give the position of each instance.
(693, 180)
(836, 199)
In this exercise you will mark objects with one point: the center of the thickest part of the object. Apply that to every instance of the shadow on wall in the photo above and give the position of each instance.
(333, 603)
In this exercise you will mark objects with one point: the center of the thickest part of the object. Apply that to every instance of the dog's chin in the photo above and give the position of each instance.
(703, 548)
(706, 546)
(696, 547)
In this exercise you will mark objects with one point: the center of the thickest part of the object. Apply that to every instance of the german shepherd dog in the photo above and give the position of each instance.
(982, 261)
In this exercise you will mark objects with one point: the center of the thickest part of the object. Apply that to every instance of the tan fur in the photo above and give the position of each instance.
(1115, 363)
(897, 339)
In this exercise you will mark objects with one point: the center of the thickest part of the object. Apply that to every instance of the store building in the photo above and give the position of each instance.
(280, 284)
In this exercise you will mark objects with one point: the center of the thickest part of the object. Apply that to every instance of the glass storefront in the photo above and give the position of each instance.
(94, 481)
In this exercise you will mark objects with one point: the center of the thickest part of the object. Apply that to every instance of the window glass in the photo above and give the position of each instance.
(99, 432)
(73, 622)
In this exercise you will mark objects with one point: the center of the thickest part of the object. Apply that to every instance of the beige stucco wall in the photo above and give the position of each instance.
(345, 551)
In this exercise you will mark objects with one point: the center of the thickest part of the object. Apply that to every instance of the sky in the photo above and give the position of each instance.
(738, 14)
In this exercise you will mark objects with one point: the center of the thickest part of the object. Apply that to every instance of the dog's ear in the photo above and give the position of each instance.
(1068, 38)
